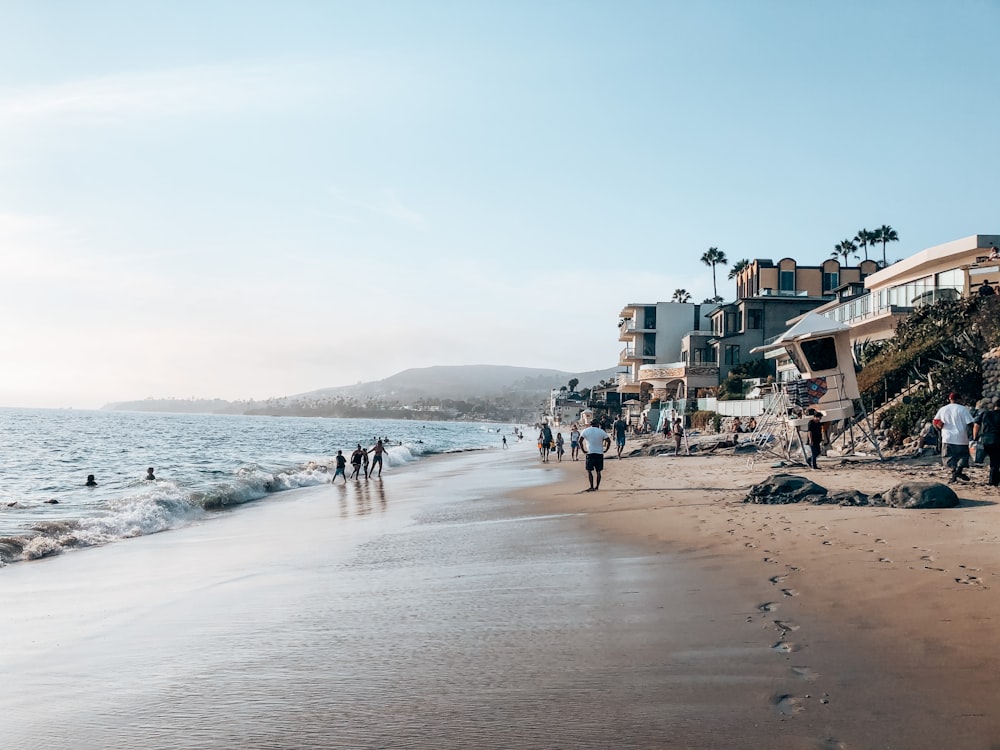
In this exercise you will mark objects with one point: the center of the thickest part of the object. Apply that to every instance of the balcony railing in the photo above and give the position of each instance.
(897, 299)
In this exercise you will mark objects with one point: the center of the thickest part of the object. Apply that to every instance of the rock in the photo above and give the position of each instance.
(918, 495)
(781, 489)
(848, 497)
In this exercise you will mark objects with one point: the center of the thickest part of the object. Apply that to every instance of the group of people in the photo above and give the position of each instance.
(360, 462)
(92, 481)
(953, 421)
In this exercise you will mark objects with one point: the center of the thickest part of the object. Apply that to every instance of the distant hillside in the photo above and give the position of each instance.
(463, 391)
(461, 382)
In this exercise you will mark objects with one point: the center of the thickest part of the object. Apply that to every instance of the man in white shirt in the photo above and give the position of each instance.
(953, 420)
(595, 441)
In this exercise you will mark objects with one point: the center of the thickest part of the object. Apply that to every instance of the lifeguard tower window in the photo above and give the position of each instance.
(821, 354)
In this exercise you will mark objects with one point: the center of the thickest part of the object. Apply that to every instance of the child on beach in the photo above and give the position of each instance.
(560, 447)
(341, 470)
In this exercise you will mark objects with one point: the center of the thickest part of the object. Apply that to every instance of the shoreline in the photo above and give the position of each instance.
(883, 617)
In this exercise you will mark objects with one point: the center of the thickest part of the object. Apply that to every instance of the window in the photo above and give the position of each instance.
(755, 319)
(820, 354)
(830, 281)
(731, 325)
(786, 281)
(732, 354)
(703, 356)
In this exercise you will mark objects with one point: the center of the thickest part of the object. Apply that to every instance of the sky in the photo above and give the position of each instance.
(253, 199)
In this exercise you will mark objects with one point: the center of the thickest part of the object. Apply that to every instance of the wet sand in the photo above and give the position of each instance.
(885, 620)
(461, 602)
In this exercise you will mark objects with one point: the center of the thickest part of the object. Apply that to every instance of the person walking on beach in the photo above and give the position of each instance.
(678, 431)
(987, 431)
(574, 443)
(377, 452)
(815, 430)
(620, 427)
(560, 447)
(953, 420)
(341, 470)
(505, 442)
(546, 440)
(595, 442)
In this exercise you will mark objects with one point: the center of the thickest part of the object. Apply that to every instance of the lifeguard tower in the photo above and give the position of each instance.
(820, 349)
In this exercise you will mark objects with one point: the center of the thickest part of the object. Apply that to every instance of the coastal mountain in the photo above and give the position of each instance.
(458, 389)
(462, 382)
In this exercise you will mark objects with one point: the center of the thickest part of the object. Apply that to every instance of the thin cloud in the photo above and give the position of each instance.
(160, 94)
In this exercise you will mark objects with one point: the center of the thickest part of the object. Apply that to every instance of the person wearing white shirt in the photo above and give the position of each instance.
(595, 442)
(953, 420)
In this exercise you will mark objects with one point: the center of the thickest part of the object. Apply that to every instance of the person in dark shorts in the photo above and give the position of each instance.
(620, 428)
(595, 442)
(341, 470)
(377, 452)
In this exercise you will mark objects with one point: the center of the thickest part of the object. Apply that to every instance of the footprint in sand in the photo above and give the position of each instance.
(881, 541)
(768, 606)
(936, 570)
(884, 560)
(789, 592)
(777, 579)
(787, 705)
(785, 626)
(770, 560)
(805, 673)
(970, 581)
(784, 647)
(927, 558)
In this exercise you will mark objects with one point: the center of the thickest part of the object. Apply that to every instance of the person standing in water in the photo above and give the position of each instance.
(377, 453)
(341, 470)
(149, 475)
(91, 482)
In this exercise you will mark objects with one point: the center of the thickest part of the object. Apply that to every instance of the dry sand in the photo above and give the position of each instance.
(884, 619)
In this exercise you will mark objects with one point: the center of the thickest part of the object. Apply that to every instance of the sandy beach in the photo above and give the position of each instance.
(485, 600)
(883, 619)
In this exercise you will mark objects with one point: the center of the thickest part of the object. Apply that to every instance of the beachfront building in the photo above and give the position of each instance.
(768, 295)
(665, 355)
(950, 271)
(566, 407)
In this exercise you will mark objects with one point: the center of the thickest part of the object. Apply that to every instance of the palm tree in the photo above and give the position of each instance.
(863, 237)
(845, 248)
(737, 267)
(885, 234)
(714, 257)
(681, 295)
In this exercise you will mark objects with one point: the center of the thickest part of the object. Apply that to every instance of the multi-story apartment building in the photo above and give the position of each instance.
(768, 295)
(950, 271)
(665, 354)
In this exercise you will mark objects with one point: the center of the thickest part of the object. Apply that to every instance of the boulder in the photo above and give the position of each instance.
(919, 495)
(781, 489)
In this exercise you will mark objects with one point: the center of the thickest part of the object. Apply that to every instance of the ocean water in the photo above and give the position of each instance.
(203, 464)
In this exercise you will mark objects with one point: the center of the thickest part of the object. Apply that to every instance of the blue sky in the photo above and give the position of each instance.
(244, 200)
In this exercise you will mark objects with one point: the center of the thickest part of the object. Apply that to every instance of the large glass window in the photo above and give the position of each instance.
(755, 319)
(786, 281)
(732, 354)
(731, 325)
(820, 354)
(830, 281)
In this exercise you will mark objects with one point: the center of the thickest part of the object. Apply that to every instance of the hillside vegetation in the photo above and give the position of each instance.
(939, 346)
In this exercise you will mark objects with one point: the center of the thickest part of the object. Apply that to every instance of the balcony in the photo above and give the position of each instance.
(897, 300)
(783, 293)
(628, 356)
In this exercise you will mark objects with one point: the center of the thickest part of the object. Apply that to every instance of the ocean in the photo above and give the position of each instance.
(203, 464)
